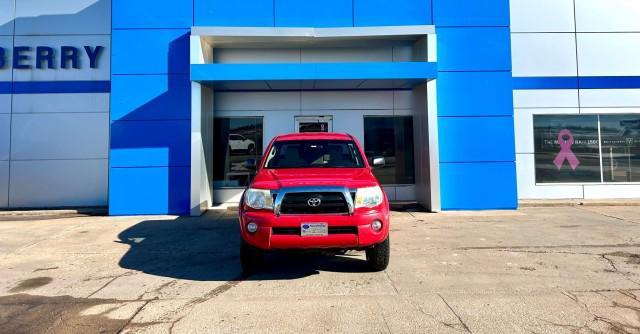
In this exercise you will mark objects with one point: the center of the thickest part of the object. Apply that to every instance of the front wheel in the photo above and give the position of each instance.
(378, 256)
(251, 258)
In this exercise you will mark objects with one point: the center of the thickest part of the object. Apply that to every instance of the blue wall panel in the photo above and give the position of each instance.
(326, 13)
(313, 71)
(391, 13)
(474, 49)
(152, 14)
(464, 139)
(471, 13)
(477, 186)
(156, 51)
(156, 97)
(475, 94)
(149, 190)
(238, 13)
(150, 143)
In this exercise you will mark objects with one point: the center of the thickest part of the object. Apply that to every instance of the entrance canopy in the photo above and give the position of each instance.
(398, 57)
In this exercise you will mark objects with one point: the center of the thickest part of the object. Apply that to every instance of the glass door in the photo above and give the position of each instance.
(314, 123)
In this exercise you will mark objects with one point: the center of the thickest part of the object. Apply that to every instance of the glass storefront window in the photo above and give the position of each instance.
(620, 147)
(236, 139)
(391, 137)
(566, 148)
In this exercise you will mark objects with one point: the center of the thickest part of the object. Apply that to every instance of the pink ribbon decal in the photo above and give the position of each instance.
(565, 150)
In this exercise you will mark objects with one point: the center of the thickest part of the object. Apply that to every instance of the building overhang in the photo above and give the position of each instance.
(341, 74)
(392, 75)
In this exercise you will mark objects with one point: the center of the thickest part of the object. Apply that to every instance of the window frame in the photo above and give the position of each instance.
(412, 153)
(257, 154)
(601, 182)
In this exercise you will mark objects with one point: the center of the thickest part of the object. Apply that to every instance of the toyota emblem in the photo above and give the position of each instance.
(314, 201)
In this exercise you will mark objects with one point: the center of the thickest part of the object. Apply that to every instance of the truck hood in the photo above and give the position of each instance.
(297, 177)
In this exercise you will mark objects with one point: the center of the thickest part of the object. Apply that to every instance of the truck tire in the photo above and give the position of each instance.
(251, 258)
(378, 256)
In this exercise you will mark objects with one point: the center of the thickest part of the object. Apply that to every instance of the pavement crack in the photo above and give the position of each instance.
(610, 216)
(128, 273)
(183, 310)
(45, 269)
(507, 248)
(133, 316)
(158, 289)
(393, 285)
(384, 319)
(464, 325)
(611, 263)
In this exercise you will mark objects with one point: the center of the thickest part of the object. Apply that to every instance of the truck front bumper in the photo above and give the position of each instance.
(349, 231)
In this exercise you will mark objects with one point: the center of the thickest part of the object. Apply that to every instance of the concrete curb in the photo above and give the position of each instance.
(577, 202)
(69, 212)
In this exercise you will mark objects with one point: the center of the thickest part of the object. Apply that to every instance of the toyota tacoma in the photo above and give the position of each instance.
(314, 191)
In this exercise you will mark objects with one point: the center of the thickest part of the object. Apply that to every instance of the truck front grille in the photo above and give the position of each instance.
(298, 203)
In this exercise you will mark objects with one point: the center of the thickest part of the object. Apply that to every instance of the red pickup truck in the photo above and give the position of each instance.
(314, 191)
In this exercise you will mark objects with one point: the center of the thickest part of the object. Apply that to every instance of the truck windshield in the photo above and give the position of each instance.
(314, 154)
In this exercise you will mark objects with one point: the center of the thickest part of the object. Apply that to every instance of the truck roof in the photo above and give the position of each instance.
(314, 136)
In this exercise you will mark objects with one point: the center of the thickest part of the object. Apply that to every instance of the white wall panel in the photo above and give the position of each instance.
(227, 195)
(56, 103)
(402, 99)
(347, 100)
(58, 183)
(537, 55)
(402, 53)
(331, 55)
(277, 123)
(611, 191)
(542, 16)
(38, 17)
(610, 97)
(527, 188)
(609, 54)
(607, 15)
(4, 184)
(6, 21)
(59, 136)
(257, 101)
(603, 111)
(257, 56)
(6, 42)
(5, 103)
(546, 98)
(5, 136)
(102, 72)
(391, 192)
(406, 193)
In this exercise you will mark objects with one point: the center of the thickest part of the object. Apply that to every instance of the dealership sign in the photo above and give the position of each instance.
(45, 57)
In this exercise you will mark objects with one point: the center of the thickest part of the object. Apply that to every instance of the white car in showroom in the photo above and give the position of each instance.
(240, 143)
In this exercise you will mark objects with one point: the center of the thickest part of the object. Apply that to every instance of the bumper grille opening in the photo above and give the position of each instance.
(332, 230)
(329, 202)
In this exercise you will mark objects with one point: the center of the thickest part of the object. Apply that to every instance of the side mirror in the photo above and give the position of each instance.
(378, 162)
(250, 164)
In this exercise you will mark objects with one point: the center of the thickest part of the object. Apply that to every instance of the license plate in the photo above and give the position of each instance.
(314, 229)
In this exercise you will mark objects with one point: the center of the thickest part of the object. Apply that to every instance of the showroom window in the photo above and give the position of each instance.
(587, 148)
(236, 139)
(390, 137)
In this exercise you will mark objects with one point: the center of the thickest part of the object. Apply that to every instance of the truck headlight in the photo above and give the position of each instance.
(258, 199)
(368, 197)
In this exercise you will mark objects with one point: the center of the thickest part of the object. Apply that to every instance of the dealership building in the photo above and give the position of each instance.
(153, 106)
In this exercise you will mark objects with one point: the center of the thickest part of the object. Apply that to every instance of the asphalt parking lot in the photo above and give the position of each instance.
(536, 270)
